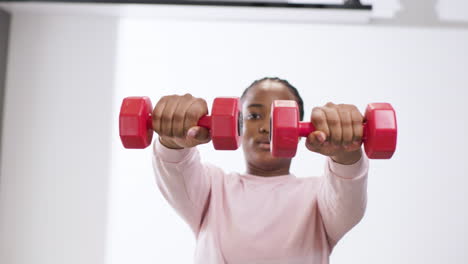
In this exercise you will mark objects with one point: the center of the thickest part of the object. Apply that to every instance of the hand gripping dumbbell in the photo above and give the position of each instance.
(379, 134)
(224, 124)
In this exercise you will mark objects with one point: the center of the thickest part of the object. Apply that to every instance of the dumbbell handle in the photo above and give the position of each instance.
(305, 128)
(205, 121)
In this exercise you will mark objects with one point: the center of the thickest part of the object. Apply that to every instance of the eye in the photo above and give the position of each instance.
(253, 116)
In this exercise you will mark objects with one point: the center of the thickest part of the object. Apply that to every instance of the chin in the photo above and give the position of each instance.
(264, 159)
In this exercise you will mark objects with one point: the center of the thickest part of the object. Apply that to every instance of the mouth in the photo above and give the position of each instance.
(264, 144)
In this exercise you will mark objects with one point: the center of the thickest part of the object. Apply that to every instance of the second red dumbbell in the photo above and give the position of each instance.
(136, 129)
(379, 135)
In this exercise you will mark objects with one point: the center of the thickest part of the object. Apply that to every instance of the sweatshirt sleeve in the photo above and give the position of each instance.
(342, 197)
(183, 181)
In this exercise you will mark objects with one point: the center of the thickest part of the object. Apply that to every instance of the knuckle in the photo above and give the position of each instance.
(355, 112)
(358, 119)
(353, 108)
(154, 114)
(317, 115)
(346, 122)
(171, 98)
(178, 117)
(345, 119)
(355, 122)
(201, 105)
(166, 119)
(156, 127)
(336, 135)
(317, 110)
(343, 111)
(332, 121)
(202, 102)
(191, 115)
(346, 106)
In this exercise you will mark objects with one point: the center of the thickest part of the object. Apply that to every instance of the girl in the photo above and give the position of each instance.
(266, 215)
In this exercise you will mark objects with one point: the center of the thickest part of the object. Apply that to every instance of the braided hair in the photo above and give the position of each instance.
(287, 84)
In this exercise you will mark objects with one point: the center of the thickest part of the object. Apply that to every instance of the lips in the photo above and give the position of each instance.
(263, 144)
(263, 141)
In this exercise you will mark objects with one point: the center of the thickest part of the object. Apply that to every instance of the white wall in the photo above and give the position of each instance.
(69, 193)
(56, 143)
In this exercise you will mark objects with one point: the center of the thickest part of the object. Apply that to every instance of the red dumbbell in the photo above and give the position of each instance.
(379, 135)
(136, 128)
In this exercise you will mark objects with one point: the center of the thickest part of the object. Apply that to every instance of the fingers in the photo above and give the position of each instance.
(199, 134)
(196, 110)
(340, 125)
(174, 115)
(157, 115)
(319, 120)
(318, 141)
(357, 120)
(178, 121)
(346, 126)
(334, 123)
(168, 116)
(315, 140)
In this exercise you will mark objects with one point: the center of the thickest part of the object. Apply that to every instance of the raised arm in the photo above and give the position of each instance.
(183, 180)
(342, 197)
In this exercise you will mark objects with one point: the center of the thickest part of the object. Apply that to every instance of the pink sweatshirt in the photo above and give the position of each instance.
(247, 219)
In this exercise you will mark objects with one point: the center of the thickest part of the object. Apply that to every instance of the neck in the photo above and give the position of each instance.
(269, 171)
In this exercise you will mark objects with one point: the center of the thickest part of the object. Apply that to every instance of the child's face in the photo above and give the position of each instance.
(256, 107)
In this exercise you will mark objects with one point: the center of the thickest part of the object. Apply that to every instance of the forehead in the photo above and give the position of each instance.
(267, 91)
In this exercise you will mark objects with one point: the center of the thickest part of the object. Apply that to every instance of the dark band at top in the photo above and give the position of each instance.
(351, 5)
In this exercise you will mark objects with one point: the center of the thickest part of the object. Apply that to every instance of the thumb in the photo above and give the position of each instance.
(315, 140)
(199, 134)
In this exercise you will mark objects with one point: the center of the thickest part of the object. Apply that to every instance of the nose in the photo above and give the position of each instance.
(264, 127)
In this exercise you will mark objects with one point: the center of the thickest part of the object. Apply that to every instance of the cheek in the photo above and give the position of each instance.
(247, 140)
(247, 129)
(248, 136)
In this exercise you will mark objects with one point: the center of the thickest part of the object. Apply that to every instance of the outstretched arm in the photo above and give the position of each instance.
(342, 197)
(183, 181)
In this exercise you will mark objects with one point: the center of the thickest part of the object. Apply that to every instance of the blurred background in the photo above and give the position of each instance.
(70, 193)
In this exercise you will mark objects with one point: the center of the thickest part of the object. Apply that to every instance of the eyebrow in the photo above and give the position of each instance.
(255, 105)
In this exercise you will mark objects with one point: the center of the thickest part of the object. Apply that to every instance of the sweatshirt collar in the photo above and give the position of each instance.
(267, 179)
